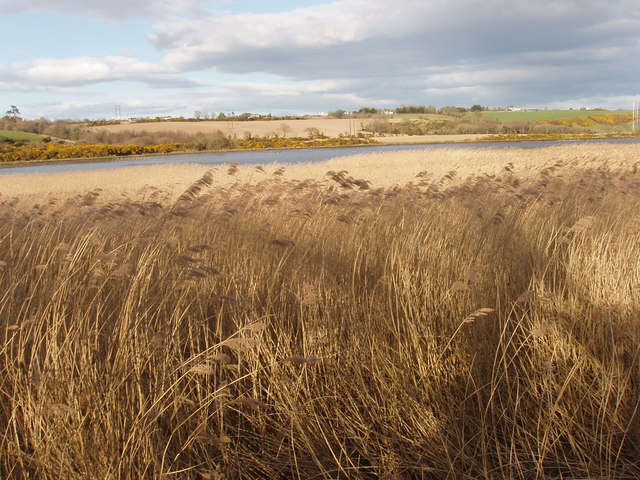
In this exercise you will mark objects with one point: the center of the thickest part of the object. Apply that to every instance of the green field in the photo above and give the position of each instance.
(20, 136)
(425, 116)
(535, 115)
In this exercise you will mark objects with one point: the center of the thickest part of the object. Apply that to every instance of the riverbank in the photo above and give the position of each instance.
(427, 139)
(390, 140)
(397, 140)
(382, 169)
(287, 144)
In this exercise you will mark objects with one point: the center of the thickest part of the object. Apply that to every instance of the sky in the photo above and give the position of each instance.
(80, 59)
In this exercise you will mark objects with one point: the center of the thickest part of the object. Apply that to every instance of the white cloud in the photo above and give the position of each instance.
(391, 49)
(55, 72)
(284, 88)
(202, 43)
(107, 10)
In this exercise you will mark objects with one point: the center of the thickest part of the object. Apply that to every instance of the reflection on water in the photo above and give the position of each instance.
(285, 156)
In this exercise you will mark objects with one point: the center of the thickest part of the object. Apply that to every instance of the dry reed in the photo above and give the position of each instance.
(465, 322)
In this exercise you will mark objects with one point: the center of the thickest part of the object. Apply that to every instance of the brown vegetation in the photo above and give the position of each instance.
(260, 324)
(476, 123)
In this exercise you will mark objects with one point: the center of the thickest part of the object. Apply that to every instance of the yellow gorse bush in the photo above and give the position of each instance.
(13, 153)
(590, 120)
(554, 136)
(48, 151)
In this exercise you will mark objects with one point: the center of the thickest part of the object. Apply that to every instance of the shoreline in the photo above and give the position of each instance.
(381, 141)
(379, 169)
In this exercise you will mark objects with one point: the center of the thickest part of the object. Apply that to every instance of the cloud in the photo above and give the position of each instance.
(479, 45)
(80, 71)
(416, 31)
(113, 10)
(79, 109)
(351, 53)
(215, 40)
(284, 98)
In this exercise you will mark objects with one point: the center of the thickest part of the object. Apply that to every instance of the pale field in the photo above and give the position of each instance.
(330, 127)
(382, 170)
(294, 128)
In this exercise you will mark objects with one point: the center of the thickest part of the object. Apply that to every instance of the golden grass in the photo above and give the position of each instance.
(331, 127)
(446, 314)
(383, 170)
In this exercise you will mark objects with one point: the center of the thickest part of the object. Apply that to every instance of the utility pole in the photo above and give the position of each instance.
(352, 125)
(636, 115)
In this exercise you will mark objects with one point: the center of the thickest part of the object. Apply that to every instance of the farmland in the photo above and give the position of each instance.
(595, 120)
(322, 126)
(398, 128)
(20, 136)
(330, 127)
(436, 314)
(535, 115)
(98, 139)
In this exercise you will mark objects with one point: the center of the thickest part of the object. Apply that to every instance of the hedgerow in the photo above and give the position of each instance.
(14, 153)
(51, 151)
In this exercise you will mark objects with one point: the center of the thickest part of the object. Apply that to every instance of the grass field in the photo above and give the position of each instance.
(20, 136)
(335, 127)
(535, 115)
(450, 314)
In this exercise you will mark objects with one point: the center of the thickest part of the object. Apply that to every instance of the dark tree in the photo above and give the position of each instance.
(13, 112)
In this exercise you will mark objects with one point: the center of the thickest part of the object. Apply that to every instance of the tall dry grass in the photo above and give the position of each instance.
(454, 326)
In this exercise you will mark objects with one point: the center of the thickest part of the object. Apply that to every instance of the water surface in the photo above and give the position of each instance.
(290, 156)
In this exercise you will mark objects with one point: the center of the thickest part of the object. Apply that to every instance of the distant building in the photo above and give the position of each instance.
(512, 108)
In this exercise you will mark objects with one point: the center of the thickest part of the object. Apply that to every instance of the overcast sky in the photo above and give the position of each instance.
(80, 58)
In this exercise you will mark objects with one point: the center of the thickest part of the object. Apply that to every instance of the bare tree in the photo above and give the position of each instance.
(313, 132)
(285, 128)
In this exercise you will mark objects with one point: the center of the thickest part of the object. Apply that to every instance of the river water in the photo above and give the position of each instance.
(285, 156)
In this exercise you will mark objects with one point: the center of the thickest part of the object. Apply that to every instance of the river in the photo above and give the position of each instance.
(287, 156)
